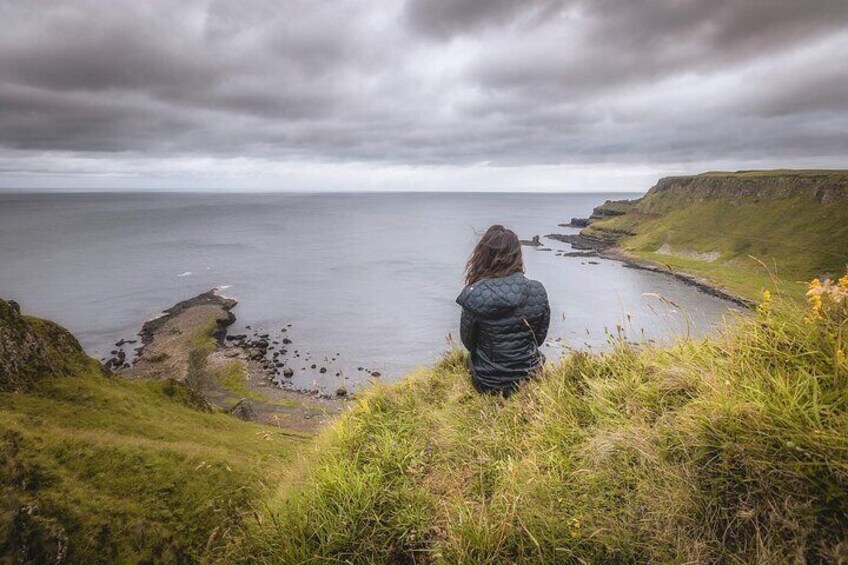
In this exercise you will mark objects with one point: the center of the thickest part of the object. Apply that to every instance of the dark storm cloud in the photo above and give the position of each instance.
(427, 82)
(445, 18)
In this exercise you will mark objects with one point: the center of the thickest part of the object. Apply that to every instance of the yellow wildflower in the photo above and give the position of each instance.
(765, 303)
(814, 287)
(839, 292)
(816, 306)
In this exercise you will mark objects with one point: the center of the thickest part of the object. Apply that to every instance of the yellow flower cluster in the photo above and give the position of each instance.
(814, 292)
(825, 294)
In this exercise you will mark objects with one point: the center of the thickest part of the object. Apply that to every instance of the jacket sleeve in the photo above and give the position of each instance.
(468, 329)
(543, 321)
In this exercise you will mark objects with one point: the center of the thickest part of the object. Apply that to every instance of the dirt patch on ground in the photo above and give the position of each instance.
(709, 256)
(248, 385)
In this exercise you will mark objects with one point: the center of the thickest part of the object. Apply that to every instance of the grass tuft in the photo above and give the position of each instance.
(727, 450)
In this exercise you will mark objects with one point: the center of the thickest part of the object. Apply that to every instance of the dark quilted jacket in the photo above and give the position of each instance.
(504, 322)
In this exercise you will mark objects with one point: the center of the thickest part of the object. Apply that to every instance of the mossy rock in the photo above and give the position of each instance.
(32, 348)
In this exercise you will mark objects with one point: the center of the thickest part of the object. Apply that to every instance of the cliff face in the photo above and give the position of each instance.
(728, 225)
(31, 349)
(825, 187)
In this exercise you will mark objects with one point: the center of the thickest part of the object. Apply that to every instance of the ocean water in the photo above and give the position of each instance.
(367, 279)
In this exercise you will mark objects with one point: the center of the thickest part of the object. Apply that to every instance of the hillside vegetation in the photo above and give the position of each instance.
(727, 450)
(98, 469)
(734, 228)
(730, 449)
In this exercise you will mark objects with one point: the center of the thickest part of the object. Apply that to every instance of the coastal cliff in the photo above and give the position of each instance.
(825, 187)
(97, 467)
(737, 229)
(730, 449)
(32, 348)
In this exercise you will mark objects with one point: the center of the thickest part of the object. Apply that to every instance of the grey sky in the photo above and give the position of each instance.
(421, 94)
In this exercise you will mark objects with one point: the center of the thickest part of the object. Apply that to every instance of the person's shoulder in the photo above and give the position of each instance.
(468, 294)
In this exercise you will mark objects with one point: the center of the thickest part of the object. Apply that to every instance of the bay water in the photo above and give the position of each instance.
(366, 281)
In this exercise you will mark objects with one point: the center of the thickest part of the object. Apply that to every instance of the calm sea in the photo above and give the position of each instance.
(369, 279)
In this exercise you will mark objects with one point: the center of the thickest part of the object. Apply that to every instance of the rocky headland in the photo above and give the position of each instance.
(237, 374)
(729, 234)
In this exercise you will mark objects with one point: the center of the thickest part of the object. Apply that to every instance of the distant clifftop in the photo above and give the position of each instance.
(726, 226)
(825, 187)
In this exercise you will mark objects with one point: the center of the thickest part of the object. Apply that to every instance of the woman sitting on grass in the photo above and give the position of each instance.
(505, 316)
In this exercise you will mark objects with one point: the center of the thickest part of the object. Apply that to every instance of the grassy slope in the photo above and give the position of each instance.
(796, 238)
(727, 450)
(109, 470)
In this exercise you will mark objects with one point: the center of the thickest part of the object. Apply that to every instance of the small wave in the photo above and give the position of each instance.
(225, 286)
(186, 274)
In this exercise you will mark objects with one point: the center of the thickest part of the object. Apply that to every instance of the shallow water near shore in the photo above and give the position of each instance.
(367, 279)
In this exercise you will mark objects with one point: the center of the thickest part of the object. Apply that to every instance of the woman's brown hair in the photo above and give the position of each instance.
(497, 254)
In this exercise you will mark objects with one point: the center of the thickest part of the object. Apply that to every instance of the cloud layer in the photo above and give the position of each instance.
(259, 87)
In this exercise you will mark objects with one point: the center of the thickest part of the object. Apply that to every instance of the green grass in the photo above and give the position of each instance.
(105, 470)
(727, 450)
(747, 282)
(233, 378)
(793, 238)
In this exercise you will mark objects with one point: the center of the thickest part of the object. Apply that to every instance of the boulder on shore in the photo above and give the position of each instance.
(534, 242)
(243, 410)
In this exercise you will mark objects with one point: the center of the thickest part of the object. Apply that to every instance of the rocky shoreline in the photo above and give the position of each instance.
(702, 284)
(176, 346)
(587, 247)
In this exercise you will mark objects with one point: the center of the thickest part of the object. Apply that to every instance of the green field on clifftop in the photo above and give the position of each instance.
(728, 450)
(739, 240)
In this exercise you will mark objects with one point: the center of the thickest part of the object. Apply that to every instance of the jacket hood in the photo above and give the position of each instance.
(492, 297)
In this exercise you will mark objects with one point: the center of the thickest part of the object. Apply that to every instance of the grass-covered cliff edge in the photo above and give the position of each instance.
(736, 229)
(730, 449)
(726, 450)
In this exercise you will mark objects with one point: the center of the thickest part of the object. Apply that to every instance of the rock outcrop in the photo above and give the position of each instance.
(32, 349)
(534, 242)
(173, 342)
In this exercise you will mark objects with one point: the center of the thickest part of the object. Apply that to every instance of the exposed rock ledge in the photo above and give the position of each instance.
(32, 349)
(176, 345)
(212, 301)
(168, 340)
